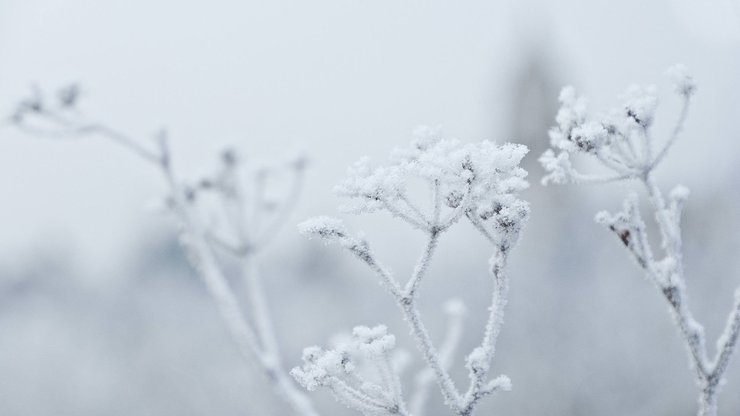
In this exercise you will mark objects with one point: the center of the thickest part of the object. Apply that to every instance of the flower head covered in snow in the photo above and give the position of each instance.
(479, 179)
(479, 182)
(620, 140)
(320, 365)
(338, 370)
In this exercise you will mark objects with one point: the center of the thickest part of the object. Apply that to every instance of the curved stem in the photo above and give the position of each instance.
(477, 389)
(674, 134)
(259, 343)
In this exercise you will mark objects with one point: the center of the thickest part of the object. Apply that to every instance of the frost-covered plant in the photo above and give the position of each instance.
(227, 213)
(478, 182)
(340, 370)
(621, 141)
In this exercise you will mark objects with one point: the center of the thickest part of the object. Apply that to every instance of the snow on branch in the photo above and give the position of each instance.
(479, 182)
(622, 144)
(455, 311)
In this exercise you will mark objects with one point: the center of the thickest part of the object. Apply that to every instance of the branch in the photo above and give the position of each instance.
(455, 311)
(407, 302)
(422, 265)
(581, 179)
(478, 224)
(414, 209)
(479, 361)
(629, 227)
(392, 382)
(197, 239)
(436, 200)
(727, 341)
(431, 356)
(357, 400)
(677, 129)
(332, 230)
(284, 210)
(398, 212)
(673, 290)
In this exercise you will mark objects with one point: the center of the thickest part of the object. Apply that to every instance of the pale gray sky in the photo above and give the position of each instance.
(339, 79)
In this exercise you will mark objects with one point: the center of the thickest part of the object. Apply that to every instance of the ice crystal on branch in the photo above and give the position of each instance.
(479, 182)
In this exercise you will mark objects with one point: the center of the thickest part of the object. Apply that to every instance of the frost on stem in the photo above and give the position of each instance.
(621, 142)
(477, 182)
(236, 211)
(332, 230)
(456, 311)
(343, 371)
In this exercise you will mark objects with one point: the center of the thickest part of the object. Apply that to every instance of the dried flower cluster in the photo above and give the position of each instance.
(478, 182)
(228, 212)
(340, 370)
(620, 139)
(622, 143)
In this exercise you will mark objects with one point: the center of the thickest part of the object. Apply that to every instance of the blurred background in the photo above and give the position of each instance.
(100, 313)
